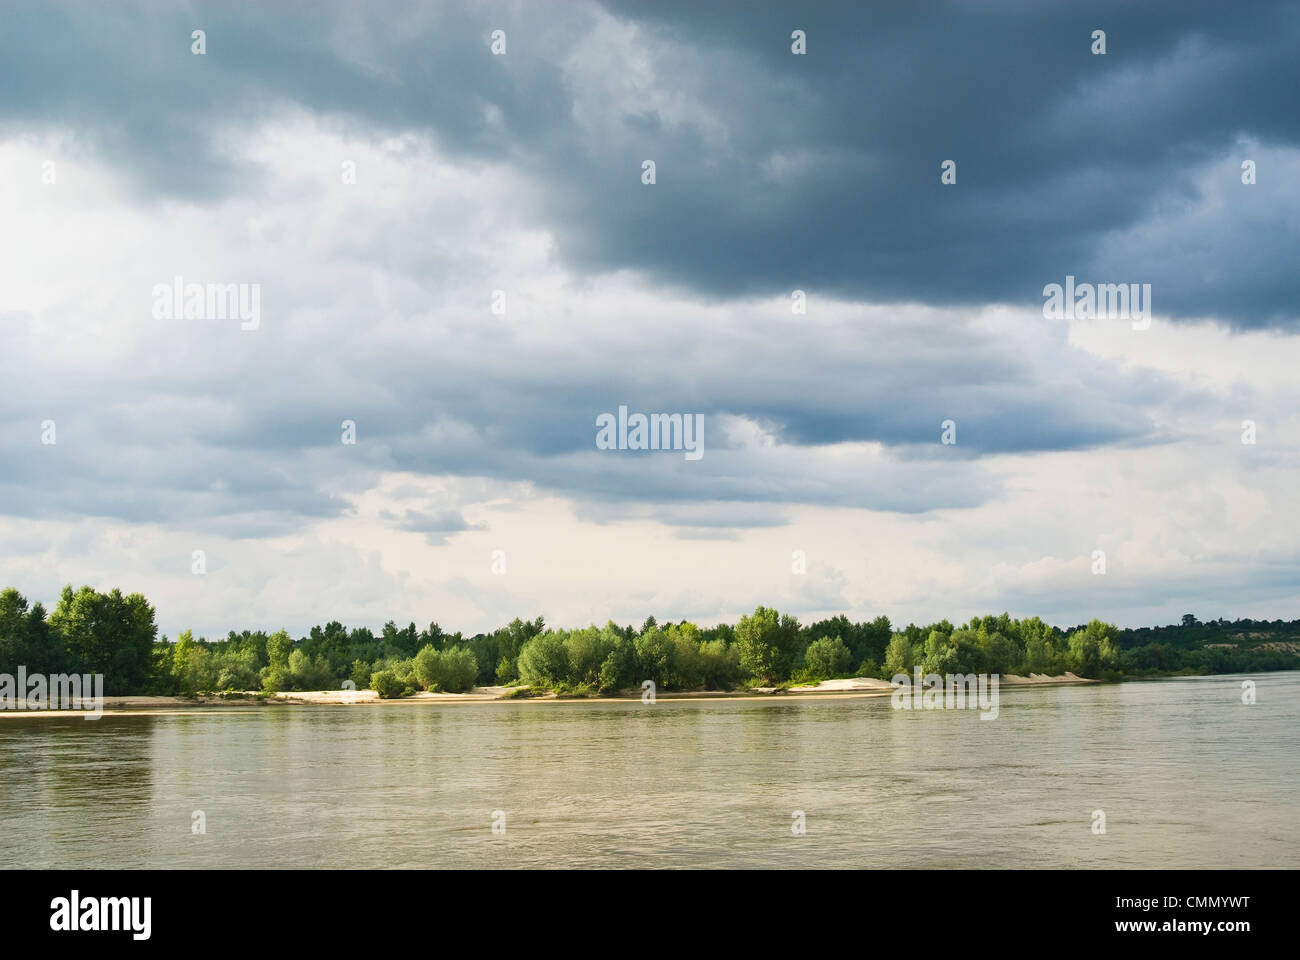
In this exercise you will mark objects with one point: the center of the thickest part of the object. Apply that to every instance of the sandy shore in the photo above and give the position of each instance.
(852, 688)
(871, 684)
(146, 706)
(1042, 679)
(853, 684)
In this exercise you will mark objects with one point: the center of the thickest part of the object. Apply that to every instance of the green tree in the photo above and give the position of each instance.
(719, 664)
(511, 638)
(274, 680)
(898, 656)
(544, 660)
(687, 671)
(1039, 654)
(193, 667)
(108, 633)
(1001, 653)
(654, 656)
(827, 658)
(940, 657)
(1094, 648)
(401, 643)
(767, 642)
(181, 652)
(360, 674)
(618, 669)
(507, 671)
(587, 649)
(26, 638)
(236, 668)
(308, 674)
(278, 647)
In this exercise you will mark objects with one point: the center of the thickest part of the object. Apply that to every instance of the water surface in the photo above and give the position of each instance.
(1186, 774)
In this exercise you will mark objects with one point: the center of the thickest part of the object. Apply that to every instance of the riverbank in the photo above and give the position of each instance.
(870, 683)
(850, 688)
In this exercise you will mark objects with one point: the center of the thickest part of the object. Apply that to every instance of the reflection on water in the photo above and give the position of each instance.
(1187, 775)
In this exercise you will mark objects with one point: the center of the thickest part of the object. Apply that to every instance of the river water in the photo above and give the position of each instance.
(1184, 772)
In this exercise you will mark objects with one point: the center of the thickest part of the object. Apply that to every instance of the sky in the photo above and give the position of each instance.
(456, 251)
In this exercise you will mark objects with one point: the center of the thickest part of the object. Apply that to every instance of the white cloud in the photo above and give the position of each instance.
(822, 430)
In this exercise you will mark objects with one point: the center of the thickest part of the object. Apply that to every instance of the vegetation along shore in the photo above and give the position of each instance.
(763, 654)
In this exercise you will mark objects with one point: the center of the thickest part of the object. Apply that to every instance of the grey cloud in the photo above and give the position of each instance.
(775, 172)
(436, 526)
(819, 171)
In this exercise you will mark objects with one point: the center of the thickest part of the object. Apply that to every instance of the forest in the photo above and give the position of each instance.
(93, 632)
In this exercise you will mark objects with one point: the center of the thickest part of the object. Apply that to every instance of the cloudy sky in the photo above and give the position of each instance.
(126, 160)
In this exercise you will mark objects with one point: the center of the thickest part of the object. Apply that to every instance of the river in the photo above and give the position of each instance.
(1185, 774)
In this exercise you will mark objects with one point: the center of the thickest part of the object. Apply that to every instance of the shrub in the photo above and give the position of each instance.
(459, 670)
(272, 681)
(238, 672)
(453, 670)
(386, 684)
(306, 674)
(869, 668)
(507, 671)
(402, 670)
(428, 664)
(544, 660)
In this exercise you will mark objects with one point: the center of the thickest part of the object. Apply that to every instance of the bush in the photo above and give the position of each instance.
(403, 670)
(238, 673)
(570, 691)
(453, 670)
(459, 670)
(869, 668)
(428, 664)
(507, 671)
(272, 681)
(386, 684)
(544, 660)
(307, 674)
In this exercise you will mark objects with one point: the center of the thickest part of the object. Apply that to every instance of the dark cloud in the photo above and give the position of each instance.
(265, 445)
(436, 526)
(774, 172)
(819, 171)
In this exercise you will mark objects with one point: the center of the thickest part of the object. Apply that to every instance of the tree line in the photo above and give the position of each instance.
(93, 632)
